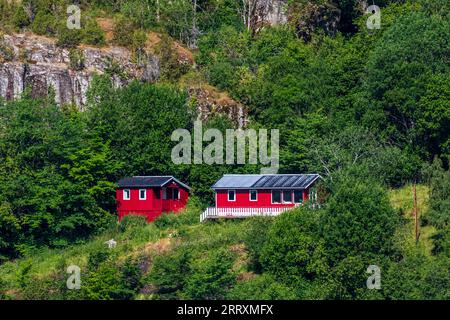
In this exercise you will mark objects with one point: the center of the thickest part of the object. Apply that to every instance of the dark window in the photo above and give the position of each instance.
(253, 195)
(126, 194)
(276, 196)
(231, 195)
(287, 196)
(298, 196)
(142, 194)
(157, 193)
(176, 194)
(164, 194)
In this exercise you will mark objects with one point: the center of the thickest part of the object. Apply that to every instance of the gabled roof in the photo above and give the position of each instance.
(149, 181)
(265, 181)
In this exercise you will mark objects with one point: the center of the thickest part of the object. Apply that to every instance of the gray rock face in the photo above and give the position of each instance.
(277, 13)
(41, 65)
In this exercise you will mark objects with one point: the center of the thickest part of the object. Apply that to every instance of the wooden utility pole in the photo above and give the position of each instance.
(416, 214)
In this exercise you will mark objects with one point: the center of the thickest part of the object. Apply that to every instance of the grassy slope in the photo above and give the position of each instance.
(402, 199)
(151, 240)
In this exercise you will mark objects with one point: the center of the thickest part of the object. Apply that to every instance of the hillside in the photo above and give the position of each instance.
(147, 245)
(355, 94)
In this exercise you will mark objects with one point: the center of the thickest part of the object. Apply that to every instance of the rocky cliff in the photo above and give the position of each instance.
(28, 60)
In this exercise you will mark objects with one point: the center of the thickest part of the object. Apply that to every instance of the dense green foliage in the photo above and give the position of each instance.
(367, 109)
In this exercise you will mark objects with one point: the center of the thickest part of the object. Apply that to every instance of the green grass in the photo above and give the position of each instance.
(403, 200)
(149, 240)
(184, 229)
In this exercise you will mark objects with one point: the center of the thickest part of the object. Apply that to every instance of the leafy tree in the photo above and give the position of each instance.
(439, 209)
(417, 277)
(210, 277)
(170, 273)
(9, 231)
(20, 18)
(404, 68)
(152, 111)
(293, 250)
(263, 287)
(255, 239)
(358, 220)
(56, 182)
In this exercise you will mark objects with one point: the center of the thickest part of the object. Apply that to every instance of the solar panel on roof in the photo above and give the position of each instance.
(236, 181)
(298, 181)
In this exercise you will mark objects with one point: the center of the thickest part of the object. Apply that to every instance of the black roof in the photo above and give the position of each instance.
(266, 181)
(149, 181)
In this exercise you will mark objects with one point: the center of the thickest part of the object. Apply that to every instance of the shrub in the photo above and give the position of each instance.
(358, 220)
(123, 31)
(170, 272)
(130, 222)
(44, 24)
(92, 33)
(6, 52)
(417, 276)
(210, 277)
(171, 68)
(20, 18)
(256, 233)
(68, 38)
(76, 58)
(293, 249)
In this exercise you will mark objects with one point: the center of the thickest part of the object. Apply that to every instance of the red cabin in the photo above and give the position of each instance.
(247, 195)
(150, 196)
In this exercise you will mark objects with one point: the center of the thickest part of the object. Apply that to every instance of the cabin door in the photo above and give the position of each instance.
(166, 199)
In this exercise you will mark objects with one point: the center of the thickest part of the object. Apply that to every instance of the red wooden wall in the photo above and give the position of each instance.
(153, 206)
(264, 200)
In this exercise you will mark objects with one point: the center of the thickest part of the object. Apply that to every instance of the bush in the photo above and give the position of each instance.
(20, 18)
(68, 38)
(210, 277)
(171, 68)
(76, 58)
(417, 277)
(293, 249)
(358, 220)
(130, 222)
(6, 52)
(92, 33)
(44, 24)
(256, 234)
(170, 272)
(123, 31)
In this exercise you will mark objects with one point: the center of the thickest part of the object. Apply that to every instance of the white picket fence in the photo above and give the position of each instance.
(214, 213)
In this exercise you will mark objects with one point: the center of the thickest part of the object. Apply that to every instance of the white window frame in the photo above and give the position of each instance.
(228, 195)
(145, 194)
(292, 197)
(281, 196)
(250, 195)
(124, 193)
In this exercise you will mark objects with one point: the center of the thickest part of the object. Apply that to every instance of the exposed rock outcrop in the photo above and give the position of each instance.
(210, 102)
(28, 60)
(39, 63)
